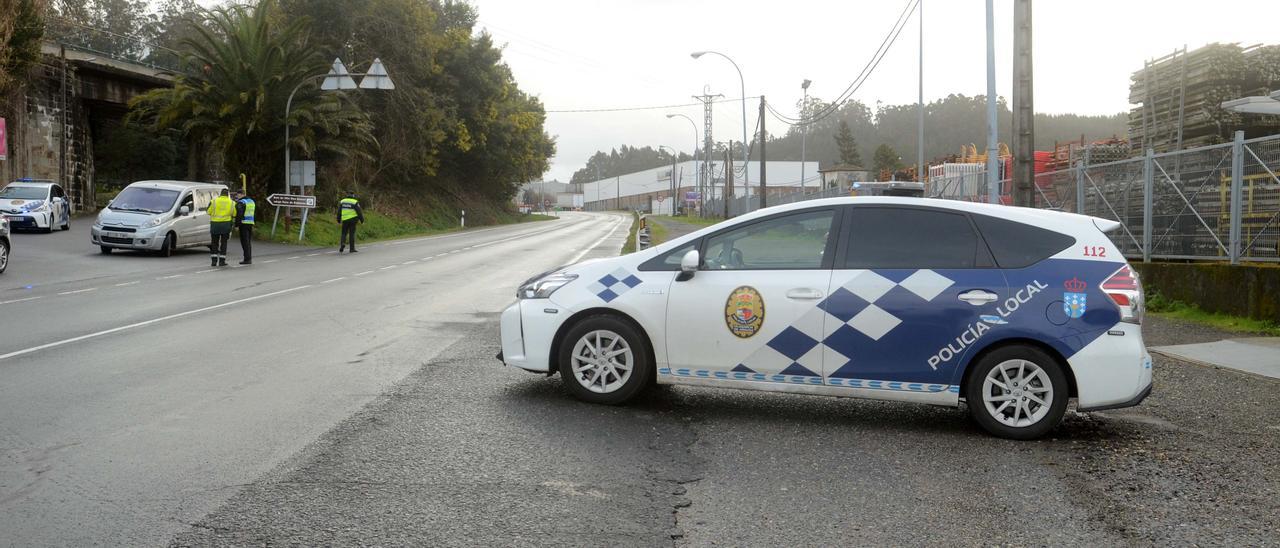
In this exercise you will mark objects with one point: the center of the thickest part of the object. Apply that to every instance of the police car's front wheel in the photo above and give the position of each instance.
(603, 359)
(1017, 392)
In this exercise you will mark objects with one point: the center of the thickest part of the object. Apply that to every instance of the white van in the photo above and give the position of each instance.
(159, 216)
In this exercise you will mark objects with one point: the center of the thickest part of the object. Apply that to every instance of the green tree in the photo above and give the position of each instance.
(885, 159)
(623, 160)
(251, 58)
(21, 28)
(848, 146)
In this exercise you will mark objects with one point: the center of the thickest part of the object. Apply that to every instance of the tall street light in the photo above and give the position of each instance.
(746, 173)
(804, 128)
(698, 182)
(336, 79)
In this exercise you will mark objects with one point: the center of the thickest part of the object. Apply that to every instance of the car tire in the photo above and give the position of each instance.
(4, 255)
(591, 375)
(66, 224)
(105, 250)
(170, 244)
(1027, 378)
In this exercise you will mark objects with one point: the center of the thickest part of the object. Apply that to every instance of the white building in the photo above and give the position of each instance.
(650, 190)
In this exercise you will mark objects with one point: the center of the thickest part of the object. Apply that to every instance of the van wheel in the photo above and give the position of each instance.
(105, 250)
(1017, 392)
(603, 359)
(170, 244)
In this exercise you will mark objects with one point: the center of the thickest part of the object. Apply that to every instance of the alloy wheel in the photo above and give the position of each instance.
(1017, 393)
(602, 361)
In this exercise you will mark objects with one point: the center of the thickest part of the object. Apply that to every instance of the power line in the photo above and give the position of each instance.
(624, 109)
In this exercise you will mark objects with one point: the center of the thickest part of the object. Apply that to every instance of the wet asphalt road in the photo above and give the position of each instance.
(417, 436)
(467, 452)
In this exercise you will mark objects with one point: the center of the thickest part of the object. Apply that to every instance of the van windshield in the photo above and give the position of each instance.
(145, 200)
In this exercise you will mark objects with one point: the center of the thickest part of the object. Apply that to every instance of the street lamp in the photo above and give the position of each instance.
(336, 79)
(746, 173)
(695, 154)
(804, 127)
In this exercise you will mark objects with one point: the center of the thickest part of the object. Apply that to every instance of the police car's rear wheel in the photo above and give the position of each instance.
(1017, 392)
(603, 360)
(4, 255)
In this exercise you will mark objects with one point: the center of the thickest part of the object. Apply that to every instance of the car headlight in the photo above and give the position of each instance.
(541, 287)
(154, 222)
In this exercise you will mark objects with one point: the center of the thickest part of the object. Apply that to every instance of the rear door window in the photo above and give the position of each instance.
(899, 237)
(1018, 245)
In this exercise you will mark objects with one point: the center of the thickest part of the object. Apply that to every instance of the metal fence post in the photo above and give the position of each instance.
(1080, 187)
(1237, 186)
(1148, 188)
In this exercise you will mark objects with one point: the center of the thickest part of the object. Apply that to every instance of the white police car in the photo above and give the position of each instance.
(1013, 310)
(35, 204)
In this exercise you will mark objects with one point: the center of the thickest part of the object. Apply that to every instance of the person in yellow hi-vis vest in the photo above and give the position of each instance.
(222, 213)
(349, 213)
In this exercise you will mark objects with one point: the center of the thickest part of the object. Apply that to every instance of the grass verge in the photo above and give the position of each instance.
(323, 229)
(629, 246)
(1169, 308)
(693, 220)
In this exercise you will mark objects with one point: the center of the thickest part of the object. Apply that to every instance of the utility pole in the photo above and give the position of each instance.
(764, 188)
(1024, 173)
(993, 172)
(728, 177)
(617, 181)
(804, 128)
(708, 144)
(920, 167)
(599, 182)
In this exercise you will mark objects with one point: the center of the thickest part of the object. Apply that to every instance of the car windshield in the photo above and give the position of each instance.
(14, 192)
(147, 200)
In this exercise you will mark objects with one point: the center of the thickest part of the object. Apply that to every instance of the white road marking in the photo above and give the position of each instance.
(294, 257)
(409, 262)
(128, 283)
(203, 271)
(170, 277)
(330, 252)
(312, 254)
(146, 323)
(78, 291)
(579, 256)
(363, 273)
(269, 262)
(388, 267)
(334, 280)
(22, 300)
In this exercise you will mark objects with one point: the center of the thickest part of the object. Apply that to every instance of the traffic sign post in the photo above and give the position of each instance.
(302, 201)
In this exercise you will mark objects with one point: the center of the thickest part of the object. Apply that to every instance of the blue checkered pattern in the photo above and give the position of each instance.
(614, 284)
(807, 379)
(828, 334)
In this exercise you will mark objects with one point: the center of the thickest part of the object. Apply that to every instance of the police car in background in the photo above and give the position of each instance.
(4, 244)
(37, 204)
(1011, 310)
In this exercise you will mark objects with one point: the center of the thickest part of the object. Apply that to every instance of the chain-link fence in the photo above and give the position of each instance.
(741, 205)
(1220, 202)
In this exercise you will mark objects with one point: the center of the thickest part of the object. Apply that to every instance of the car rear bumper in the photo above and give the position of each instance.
(1112, 371)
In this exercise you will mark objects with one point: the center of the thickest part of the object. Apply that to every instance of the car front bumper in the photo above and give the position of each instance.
(21, 221)
(527, 329)
(141, 239)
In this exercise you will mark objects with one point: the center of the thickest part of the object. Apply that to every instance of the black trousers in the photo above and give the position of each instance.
(348, 231)
(218, 248)
(246, 242)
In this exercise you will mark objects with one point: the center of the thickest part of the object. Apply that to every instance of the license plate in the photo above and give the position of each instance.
(115, 235)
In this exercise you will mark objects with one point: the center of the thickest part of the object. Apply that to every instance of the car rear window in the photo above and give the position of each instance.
(1017, 245)
(891, 237)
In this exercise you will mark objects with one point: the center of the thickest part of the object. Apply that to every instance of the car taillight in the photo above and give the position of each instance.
(1125, 290)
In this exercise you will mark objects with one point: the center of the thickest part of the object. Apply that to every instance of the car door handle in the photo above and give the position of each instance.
(978, 297)
(804, 293)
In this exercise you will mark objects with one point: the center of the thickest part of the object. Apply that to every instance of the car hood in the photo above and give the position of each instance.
(124, 218)
(14, 206)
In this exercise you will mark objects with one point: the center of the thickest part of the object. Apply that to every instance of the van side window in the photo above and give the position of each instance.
(892, 237)
(188, 201)
(202, 200)
(1018, 245)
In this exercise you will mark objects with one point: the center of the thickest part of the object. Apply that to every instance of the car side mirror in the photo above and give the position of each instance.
(57, 199)
(184, 211)
(688, 265)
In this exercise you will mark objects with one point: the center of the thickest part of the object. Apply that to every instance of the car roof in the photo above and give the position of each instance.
(175, 185)
(1058, 221)
(44, 184)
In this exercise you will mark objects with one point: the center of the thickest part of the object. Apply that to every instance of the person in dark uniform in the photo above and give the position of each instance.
(245, 208)
(349, 213)
(222, 214)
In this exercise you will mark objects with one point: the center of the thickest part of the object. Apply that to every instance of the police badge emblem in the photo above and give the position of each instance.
(1074, 299)
(744, 312)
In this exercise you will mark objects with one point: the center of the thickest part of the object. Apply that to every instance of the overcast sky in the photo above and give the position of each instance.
(580, 54)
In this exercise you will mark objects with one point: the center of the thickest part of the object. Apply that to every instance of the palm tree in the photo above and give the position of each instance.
(246, 60)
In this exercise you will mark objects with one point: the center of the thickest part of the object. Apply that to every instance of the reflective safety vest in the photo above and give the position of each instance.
(348, 206)
(248, 211)
(222, 210)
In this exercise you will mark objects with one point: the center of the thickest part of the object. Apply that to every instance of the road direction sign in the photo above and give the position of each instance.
(292, 200)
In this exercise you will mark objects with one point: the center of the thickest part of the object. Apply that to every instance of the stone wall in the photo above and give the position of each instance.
(1242, 290)
(49, 136)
